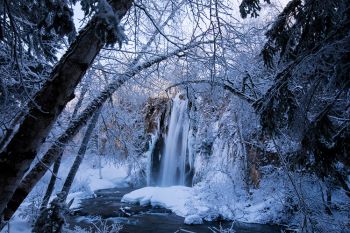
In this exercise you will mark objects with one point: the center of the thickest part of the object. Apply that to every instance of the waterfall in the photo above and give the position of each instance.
(174, 157)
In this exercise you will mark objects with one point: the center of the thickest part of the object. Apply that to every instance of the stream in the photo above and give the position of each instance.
(107, 204)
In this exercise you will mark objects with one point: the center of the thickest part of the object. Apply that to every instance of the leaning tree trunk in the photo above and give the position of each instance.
(10, 130)
(52, 182)
(48, 103)
(80, 156)
(39, 170)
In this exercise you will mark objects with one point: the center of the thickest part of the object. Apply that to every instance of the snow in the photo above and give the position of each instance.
(77, 196)
(17, 225)
(173, 198)
(193, 219)
(87, 180)
(112, 177)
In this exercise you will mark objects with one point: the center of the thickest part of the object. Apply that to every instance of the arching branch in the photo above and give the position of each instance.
(226, 86)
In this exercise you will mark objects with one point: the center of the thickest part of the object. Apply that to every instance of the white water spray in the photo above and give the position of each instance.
(174, 158)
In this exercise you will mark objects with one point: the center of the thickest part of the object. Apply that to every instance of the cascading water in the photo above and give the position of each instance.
(174, 157)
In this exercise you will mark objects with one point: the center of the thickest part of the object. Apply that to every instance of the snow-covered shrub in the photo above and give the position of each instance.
(137, 175)
(222, 229)
(104, 226)
(75, 230)
(81, 185)
(99, 225)
(30, 210)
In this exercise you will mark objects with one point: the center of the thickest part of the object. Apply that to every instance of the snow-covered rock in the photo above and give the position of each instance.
(193, 219)
(173, 198)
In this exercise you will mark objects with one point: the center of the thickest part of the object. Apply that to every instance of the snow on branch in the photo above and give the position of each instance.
(226, 86)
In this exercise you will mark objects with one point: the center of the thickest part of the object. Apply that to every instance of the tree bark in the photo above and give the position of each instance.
(39, 170)
(48, 103)
(10, 130)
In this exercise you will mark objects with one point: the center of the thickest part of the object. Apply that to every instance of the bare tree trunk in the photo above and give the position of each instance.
(329, 201)
(99, 157)
(57, 163)
(39, 170)
(80, 156)
(52, 182)
(80, 101)
(48, 103)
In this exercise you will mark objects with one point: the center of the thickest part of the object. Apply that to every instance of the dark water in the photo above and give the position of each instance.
(141, 219)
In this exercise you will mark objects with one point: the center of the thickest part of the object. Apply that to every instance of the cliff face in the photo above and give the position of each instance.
(156, 114)
(219, 147)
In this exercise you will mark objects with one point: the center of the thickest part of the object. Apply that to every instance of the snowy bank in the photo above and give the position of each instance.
(88, 180)
(112, 176)
(194, 206)
(173, 198)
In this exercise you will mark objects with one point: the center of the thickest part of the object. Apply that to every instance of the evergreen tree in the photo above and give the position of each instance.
(309, 45)
(31, 34)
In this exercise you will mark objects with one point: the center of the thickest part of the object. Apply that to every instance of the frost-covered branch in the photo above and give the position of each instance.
(226, 86)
